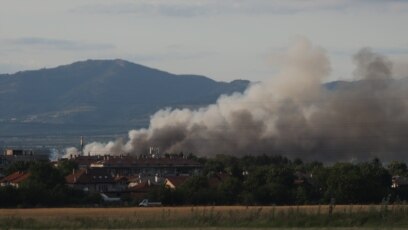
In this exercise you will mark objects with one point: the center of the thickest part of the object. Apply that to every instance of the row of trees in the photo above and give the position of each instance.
(278, 180)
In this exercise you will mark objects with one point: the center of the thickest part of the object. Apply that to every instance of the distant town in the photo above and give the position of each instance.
(109, 175)
(30, 178)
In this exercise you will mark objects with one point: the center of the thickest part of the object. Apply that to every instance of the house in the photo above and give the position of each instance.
(125, 165)
(399, 181)
(27, 155)
(17, 152)
(141, 190)
(14, 179)
(84, 161)
(95, 180)
(174, 182)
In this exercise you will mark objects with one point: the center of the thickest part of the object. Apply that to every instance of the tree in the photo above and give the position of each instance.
(9, 196)
(280, 180)
(18, 166)
(196, 190)
(362, 183)
(281, 174)
(344, 183)
(377, 182)
(397, 168)
(213, 166)
(44, 174)
(66, 166)
(167, 196)
(230, 190)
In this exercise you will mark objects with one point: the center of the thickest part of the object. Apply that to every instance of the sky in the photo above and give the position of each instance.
(224, 40)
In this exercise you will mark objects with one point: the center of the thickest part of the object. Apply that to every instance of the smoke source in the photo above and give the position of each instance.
(292, 114)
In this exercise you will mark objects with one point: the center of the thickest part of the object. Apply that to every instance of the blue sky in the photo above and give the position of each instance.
(224, 40)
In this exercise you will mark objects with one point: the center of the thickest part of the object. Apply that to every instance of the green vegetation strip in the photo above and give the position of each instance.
(384, 217)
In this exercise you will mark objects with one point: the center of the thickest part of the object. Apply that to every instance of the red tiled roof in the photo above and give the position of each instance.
(89, 176)
(21, 179)
(117, 161)
(121, 178)
(11, 176)
(86, 160)
(141, 187)
(133, 178)
(72, 178)
(143, 184)
(131, 161)
(176, 181)
(16, 177)
(166, 161)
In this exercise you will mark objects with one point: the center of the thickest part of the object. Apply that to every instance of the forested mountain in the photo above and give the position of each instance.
(99, 95)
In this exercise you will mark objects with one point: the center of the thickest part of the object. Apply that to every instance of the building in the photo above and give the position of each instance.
(125, 165)
(14, 179)
(95, 180)
(13, 155)
(173, 182)
(141, 190)
(148, 167)
(85, 161)
(17, 152)
(126, 174)
(399, 181)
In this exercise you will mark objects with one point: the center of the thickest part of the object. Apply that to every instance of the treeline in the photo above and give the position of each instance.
(265, 180)
(228, 180)
(45, 187)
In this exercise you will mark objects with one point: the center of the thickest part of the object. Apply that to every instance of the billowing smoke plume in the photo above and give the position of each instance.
(292, 114)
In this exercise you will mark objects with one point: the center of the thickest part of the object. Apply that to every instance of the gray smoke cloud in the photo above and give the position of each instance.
(291, 114)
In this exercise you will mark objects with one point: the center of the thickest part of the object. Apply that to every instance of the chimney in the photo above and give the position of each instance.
(73, 171)
(156, 178)
(81, 142)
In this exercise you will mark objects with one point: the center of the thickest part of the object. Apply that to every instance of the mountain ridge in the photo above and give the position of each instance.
(101, 93)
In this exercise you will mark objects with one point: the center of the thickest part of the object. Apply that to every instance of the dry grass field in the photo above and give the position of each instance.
(244, 217)
(177, 212)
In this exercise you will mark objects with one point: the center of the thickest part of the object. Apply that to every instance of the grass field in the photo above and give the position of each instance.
(362, 216)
